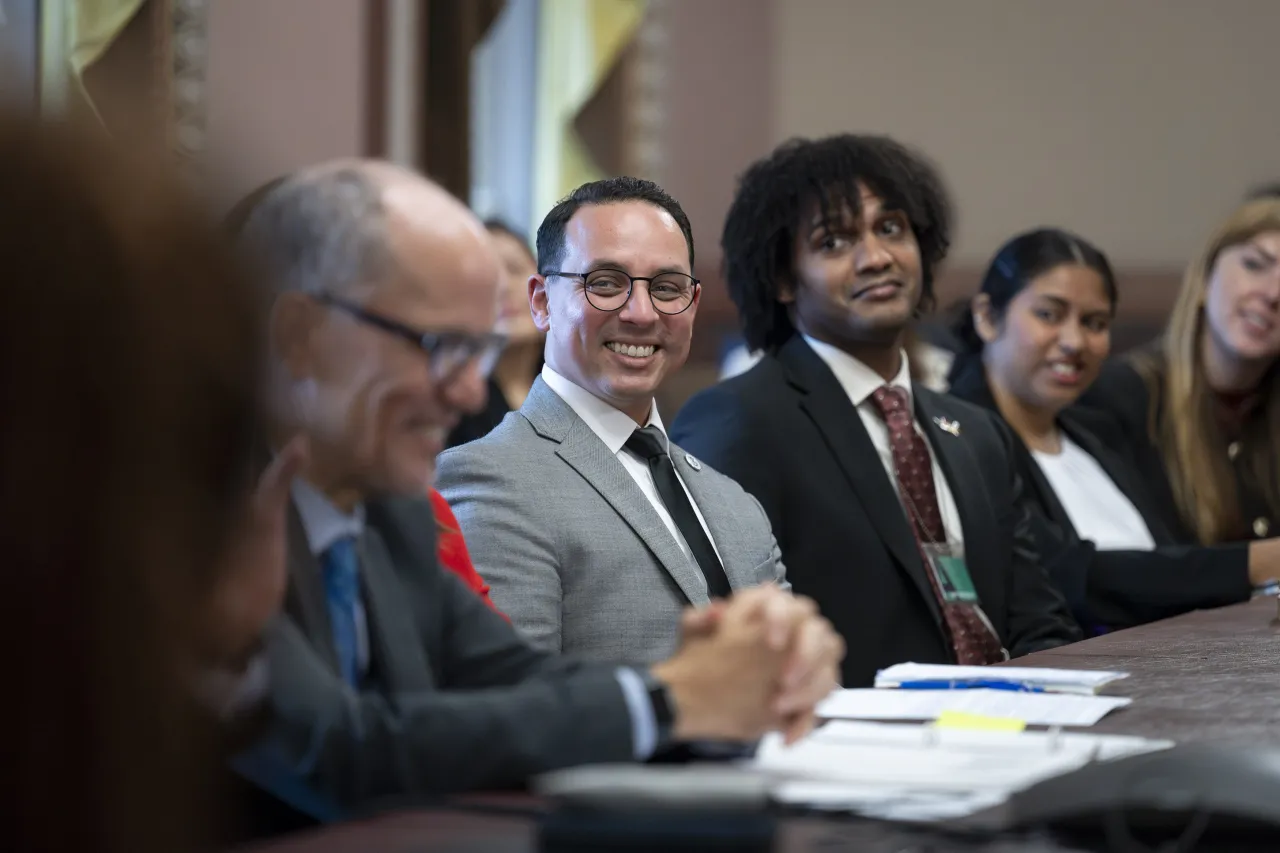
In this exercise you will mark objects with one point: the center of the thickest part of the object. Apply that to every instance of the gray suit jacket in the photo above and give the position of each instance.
(572, 549)
(455, 699)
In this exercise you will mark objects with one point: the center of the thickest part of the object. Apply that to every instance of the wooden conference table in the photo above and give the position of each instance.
(1209, 675)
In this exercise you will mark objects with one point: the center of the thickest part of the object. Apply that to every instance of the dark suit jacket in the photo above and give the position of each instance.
(1117, 589)
(455, 699)
(787, 431)
(1122, 393)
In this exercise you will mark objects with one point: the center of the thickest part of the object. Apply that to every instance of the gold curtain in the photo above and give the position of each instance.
(75, 34)
(579, 42)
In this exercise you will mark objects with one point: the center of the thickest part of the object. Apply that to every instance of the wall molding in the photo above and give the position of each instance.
(645, 93)
(183, 51)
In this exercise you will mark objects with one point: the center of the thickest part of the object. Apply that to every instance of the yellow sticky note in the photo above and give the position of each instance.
(977, 722)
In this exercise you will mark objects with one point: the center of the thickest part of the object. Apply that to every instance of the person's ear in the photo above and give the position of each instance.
(786, 289)
(294, 318)
(697, 297)
(984, 322)
(539, 303)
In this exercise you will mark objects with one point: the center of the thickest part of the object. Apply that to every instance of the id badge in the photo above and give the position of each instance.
(946, 561)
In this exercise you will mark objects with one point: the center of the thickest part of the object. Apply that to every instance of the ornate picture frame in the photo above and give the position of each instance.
(184, 53)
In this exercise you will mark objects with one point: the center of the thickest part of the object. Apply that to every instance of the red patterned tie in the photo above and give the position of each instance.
(972, 639)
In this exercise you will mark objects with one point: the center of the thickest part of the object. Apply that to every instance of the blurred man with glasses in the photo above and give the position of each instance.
(387, 676)
(591, 528)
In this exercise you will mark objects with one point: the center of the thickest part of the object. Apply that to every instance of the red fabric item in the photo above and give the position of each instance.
(973, 641)
(451, 548)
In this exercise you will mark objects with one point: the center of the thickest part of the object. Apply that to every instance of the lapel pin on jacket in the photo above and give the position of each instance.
(693, 463)
(945, 425)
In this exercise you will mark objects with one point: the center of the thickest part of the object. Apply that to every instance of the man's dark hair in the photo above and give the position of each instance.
(774, 193)
(606, 191)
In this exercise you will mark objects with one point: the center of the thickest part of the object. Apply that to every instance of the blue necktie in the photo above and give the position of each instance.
(342, 590)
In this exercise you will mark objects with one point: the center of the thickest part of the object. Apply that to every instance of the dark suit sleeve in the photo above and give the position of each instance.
(1122, 589)
(716, 427)
(1038, 616)
(505, 713)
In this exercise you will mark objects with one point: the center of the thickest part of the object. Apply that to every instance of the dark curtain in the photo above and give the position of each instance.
(452, 29)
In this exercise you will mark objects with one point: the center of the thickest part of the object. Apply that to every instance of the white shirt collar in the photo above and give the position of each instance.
(612, 426)
(858, 380)
(323, 522)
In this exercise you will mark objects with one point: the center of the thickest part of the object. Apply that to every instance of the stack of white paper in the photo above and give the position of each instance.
(916, 773)
(1034, 709)
(894, 804)
(1053, 680)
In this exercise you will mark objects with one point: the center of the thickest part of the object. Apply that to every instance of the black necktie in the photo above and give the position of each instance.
(651, 445)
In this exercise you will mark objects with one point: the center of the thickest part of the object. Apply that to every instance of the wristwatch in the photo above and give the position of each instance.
(664, 712)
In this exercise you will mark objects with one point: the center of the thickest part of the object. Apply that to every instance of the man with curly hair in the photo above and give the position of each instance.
(896, 508)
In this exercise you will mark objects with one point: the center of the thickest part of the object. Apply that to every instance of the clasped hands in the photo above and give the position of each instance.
(757, 662)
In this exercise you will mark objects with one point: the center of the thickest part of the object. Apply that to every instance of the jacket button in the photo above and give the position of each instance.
(1260, 527)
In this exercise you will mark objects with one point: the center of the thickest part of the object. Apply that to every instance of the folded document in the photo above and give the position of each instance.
(1034, 709)
(918, 773)
(1080, 681)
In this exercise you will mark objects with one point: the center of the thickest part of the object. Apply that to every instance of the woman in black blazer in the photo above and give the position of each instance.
(1034, 339)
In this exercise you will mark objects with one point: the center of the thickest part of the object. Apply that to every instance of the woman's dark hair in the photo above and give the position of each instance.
(1019, 262)
(128, 381)
(498, 226)
(774, 193)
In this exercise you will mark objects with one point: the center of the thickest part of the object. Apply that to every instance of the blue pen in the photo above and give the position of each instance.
(970, 684)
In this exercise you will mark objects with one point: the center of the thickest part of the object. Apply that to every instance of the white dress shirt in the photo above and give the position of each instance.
(614, 427)
(1098, 510)
(860, 382)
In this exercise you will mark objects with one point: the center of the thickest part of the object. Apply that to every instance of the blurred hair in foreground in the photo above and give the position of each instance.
(129, 401)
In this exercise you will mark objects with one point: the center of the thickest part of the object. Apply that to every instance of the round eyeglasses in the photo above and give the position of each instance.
(609, 289)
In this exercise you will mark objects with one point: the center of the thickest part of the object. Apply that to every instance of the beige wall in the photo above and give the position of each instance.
(286, 85)
(1136, 122)
(718, 114)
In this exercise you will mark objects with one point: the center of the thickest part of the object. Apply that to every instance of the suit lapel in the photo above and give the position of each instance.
(1039, 484)
(586, 453)
(722, 526)
(306, 600)
(393, 635)
(827, 404)
(583, 450)
(964, 477)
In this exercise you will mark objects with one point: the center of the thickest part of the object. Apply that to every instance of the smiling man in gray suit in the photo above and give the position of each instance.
(591, 528)
(388, 677)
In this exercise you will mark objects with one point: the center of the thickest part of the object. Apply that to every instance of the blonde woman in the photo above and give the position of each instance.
(1206, 396)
